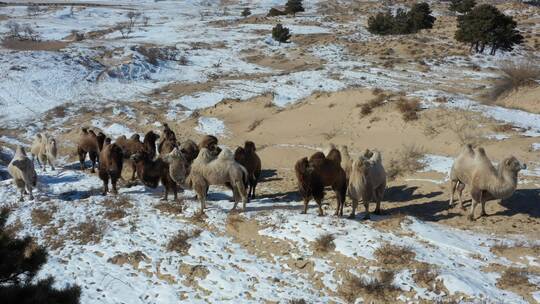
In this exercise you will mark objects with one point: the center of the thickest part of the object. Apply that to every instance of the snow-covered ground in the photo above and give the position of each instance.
(231, 273)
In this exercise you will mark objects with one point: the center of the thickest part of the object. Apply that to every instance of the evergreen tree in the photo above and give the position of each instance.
(19, 263)
(381, 24)
(275, 12)
(293, 7)
(420, 17)
(246, 12)
(485, 26)
(280, 33)
(462, 6)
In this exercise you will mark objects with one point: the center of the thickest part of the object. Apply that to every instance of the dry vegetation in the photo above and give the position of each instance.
(513, 76)
(377, 101)
(324, 243)
(42, 216)
(170, 207)
(180, 242)
(382, 288)
(409, 108)
(389, 254)
(408, 160)
(514, 277)
(91, 231)
(425, 276)
(253, 125)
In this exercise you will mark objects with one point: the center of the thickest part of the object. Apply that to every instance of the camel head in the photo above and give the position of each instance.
(249, 146)
(361, 164)
(135, 137)
(513, 165)
(20, 151)
(151, 137)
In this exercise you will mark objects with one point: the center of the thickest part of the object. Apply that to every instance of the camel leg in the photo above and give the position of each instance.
(476, 197)
(453, 185)
(29, 188)
(175, 192)
(114, 180)
(93, 158)
(306, 202)
(51, 164)
(366, 207)
(133, 171)
(319, 203)
(21, 198)
(460, 187)
(82, 157)
(166, 194)
(354, 205)
(105, 184)
(483, 205)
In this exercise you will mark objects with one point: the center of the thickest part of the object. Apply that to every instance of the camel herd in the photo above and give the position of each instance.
(188, 165)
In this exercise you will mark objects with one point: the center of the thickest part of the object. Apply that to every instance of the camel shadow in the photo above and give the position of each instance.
(404, 193)
(523, 201)
(268, 175)
(78, 194)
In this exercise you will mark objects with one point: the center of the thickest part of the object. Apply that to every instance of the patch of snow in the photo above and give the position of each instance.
(212, 126)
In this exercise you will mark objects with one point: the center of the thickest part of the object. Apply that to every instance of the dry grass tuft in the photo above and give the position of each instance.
(381, 287)
(376, 91)
(506, 127)
(389, 254)
(425, 275)
(115, 214)
(514, 75)
(198, 217)
(513, 276)
(118, 202)
(252, 126)
(91, 231)
(408, 160)
(367, 108)
(42, 216)
(170, 207)
(297, 301)
(409, 108)
(324, 243)
(179, 243)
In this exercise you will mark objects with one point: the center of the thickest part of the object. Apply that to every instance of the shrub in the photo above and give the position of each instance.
(420, 17)
(325, 243)
(417, 18)
(409, 160)
(280, 33)
(381, 287)
(389, 254)
(179, 242)
(514, 75)
(514, 277)
(275, 12)
(246, 12)
(486, 26)
(21, 261)
(462, 6)
(408, 108)
(293, 7)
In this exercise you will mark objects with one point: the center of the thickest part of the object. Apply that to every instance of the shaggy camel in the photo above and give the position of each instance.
(178, 166)
(151, 172)
(210, 142)
(207, 170)
(316, 173)
(132, 146)
(248, 158)
(21, 168)
(190, 150)
(36, 147)
(111, 160)
(89, 143)
(346, 160)
(486, 182)
(47, 152)
(367, 182)
(168, 140)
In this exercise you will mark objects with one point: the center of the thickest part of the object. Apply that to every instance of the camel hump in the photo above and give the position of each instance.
(84, 129)
(226, 154)
(481, 151)
(376, 157)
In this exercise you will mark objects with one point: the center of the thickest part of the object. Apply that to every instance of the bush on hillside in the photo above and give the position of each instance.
(294, 6)
(485, 26)
(280, 33)
(462, 6)
(417, 18)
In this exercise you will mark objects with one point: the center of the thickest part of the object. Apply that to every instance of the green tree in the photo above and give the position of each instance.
(462, 6)
(293, 7)
(420, 17)
(280, 33)
(381, 24)
(246, 12)
(485, 26)
(19, 263)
